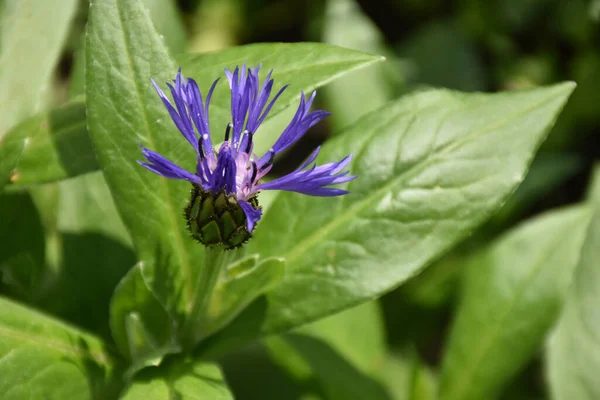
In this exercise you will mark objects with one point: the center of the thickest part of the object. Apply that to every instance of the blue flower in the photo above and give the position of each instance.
(224, 207)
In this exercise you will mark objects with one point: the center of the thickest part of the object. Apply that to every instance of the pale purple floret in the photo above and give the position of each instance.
(234, 168)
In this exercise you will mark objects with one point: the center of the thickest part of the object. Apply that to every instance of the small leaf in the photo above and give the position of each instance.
(573, 354)
(57, 146)
(182, 380)
(41, 358)
(142, 329)
(28, 62)
(237, 289)
(432, 166)
(512, 295)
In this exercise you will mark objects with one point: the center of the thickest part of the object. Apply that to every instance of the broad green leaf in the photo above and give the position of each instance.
(123, 52)
(438, 283)
(181, 380)
(305, 66)
(573, 353)
(432, 166)
(168, 24)
(22, 248)
(31, 38)
(512, 295)
(42, 358)
(142, 329)
(57, 146)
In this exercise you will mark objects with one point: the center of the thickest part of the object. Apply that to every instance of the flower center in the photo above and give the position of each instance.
(216, 219)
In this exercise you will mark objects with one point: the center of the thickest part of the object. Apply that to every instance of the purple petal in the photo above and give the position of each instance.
(164, 167)
(252, 215)
(313, 181)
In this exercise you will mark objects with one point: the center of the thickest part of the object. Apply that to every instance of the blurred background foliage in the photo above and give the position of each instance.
(386, 349)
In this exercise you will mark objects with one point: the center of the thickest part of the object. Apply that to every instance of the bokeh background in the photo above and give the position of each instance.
(467, 45)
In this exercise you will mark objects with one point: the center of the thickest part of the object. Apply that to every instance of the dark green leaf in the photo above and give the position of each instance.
(41, 358)
(22, 249)
(432, 167)
(512, 295)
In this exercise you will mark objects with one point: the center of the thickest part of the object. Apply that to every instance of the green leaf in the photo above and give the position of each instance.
(123, 52)
(238, 287)
(512, 295)
(182, 380)
(573, 353)
(305, 66)
(57, 146)
(10, 154)
(432, 166)
(32, 35)
(168, 23)
(142, 329)
(41, 358)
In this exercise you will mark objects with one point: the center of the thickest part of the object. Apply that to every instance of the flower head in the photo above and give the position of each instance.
(224, 206)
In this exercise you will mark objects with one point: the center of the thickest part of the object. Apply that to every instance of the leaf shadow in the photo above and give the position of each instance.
(71, 140)
(93, 265)
(337, 377)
